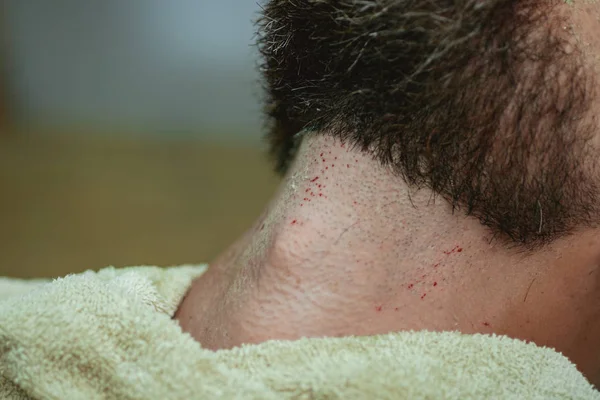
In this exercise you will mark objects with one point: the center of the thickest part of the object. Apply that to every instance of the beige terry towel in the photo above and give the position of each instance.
(109, 335)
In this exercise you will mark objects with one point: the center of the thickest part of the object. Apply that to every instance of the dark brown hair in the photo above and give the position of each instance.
(474, 99)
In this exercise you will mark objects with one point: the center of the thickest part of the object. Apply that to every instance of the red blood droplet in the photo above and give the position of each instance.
(378, 308)
(411, 286)
(456, 248)
(333, 165)
(486, 324)
(321, 154)
(396, 309)
(307, 190)
(326, 167)
(314, 179)
(434, 283)
(294, 222)
(424, 294)
(347, 165)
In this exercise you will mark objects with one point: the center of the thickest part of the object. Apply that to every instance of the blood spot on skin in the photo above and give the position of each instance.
(436, 265)
(335, 158)
(320, 194)
(332, 165)
(294, 222)
(456, 249)
(314, 179)
(434, 283)
(424, 294)
(486, 324)
(411, 286)
(347, 165)
(326, 167)
(322, 154)
(307, 190)
(378, 308)
(396, 309)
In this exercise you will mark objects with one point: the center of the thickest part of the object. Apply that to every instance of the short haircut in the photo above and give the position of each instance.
(475, 99)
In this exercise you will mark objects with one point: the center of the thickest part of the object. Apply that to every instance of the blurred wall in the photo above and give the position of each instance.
(98, 89)
(77, 202)
(177, 66)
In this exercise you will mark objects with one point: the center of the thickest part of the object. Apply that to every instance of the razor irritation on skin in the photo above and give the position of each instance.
(446, 177)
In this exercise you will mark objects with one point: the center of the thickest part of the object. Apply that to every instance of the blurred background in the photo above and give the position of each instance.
(130, 133)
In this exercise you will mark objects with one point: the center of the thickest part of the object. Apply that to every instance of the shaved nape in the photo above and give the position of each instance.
(462, 98)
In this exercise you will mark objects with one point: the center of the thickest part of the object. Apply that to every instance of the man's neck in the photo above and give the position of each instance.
(345, 248)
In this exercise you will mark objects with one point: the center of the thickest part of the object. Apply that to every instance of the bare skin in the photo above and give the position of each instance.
(346, 248)
(357, 258)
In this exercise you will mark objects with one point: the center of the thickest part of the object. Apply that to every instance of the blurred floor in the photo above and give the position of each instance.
(71, 203)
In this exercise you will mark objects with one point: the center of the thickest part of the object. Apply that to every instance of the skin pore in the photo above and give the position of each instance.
(348, 247)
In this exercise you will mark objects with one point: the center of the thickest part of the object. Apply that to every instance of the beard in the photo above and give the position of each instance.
(476, 100)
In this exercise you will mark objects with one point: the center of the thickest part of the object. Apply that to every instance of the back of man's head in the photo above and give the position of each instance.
(486, 102)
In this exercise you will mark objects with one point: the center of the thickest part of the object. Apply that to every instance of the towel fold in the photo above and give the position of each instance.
(110, 335)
